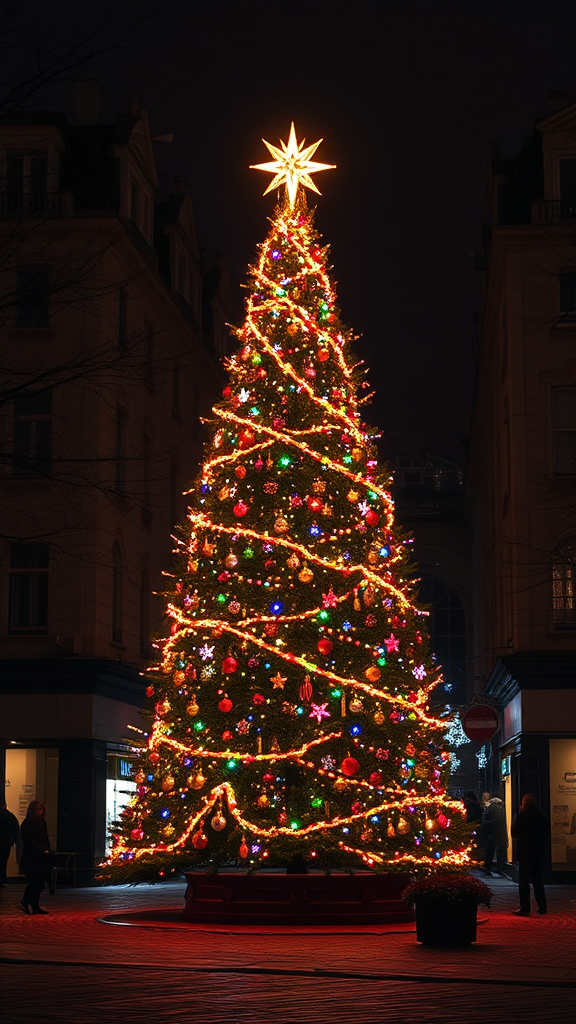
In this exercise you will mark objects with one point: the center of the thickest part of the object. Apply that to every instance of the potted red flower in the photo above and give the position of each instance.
(446, 906)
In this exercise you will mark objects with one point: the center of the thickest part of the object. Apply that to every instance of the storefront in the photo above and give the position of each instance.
(536, 695)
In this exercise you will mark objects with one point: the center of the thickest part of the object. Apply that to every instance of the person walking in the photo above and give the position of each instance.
(36, 862)
(9, 834)
(530, 830)
(494, 819)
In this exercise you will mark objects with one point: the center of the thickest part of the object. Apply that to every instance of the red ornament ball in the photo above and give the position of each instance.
(199, 841)
(350, 766)
(323, 355)
(270, 629)
(229, 665)
(325, 646)
(240, 509)
(375, 779)
(246, 438)
(372, 518)
(137, 833)
(315, 504)
(227, 392)
(240, 472)
(227, 735)
(225, 705)
(412, 697)
(258, 698)
(154, 756)
(149, 691)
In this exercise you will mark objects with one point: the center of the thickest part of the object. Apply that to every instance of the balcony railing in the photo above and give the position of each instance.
(42, 204)
(553, 211)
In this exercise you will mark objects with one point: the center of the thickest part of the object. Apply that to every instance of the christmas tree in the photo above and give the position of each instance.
(289, 714)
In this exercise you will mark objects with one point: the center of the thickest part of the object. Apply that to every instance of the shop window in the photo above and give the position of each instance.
(563, 586)
(564, 430)
(447, 638)
(117, 593)
(32, 435)
(32, 297)
(28, 589)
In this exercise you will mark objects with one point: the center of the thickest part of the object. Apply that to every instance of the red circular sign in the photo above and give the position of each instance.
(480, 722)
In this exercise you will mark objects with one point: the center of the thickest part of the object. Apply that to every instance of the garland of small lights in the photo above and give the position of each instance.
(289, 704)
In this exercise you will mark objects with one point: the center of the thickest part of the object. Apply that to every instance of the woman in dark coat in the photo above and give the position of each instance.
(36, 859)
(530, 830)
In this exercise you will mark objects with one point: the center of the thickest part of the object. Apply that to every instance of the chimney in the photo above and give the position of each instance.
(87, 102)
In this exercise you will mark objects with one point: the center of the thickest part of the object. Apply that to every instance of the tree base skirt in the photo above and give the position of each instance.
(275, 899)
(441, 923)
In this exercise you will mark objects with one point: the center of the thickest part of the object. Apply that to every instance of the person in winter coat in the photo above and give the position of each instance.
(9, 834)
(494, 818)
(36, 862)
(530, 830)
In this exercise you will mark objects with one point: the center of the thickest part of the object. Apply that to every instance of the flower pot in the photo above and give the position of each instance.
(445, 923)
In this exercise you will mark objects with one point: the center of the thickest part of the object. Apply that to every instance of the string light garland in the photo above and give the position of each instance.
(289, 703)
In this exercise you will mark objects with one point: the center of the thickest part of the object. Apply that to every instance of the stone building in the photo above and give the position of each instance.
(111, 354)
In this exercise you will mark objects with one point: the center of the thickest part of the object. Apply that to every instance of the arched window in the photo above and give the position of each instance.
(563, 586)
(117, 593)
(447, 629)
(145, 646)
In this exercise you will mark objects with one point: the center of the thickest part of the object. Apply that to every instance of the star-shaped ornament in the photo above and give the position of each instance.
(278, 681)
(329, 600)
(319, 711)
(292, 166)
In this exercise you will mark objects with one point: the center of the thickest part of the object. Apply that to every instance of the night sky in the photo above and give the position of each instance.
(407, 95)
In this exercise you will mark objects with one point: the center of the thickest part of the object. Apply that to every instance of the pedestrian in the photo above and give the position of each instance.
(530, 830)
(9, 834)
(472, 806)
(36, 862)
(494, 819)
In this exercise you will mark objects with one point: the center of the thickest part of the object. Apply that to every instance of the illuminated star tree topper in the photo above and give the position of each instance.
(292, 166)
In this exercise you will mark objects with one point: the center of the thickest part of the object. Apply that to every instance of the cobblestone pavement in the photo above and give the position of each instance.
(71, 967)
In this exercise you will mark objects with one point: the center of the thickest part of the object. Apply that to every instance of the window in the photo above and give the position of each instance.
(32, 439)
(563, 587)
(117, 593)
(28, 589)
(32, 297)
(27, 180)
(447, 637)
(120, 455)
(135, 199)
(567, 170)
(122, 320)
(145, 645)
(564, 429)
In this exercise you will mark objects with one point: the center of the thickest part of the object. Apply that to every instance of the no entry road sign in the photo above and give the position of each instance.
(480, 722)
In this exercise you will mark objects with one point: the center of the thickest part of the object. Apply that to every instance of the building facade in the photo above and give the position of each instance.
(112, 349)
(522, 477)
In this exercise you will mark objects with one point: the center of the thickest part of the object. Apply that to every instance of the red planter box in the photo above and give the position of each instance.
(277, 898)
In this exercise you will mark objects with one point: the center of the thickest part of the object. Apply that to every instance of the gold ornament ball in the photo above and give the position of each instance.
(218, 822)
(139, 777)
(192, 708)
(196, 781)
(403, 826)
(430, 824)
(379, 718)
(305, 575)
(373, 674)
(293, 561)
(356, 706)
(263, 800)
(179, 677)
(373, 557)
(281, 525)
(340, 785)
(231, 561)
(168, 783)
(357, 454)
